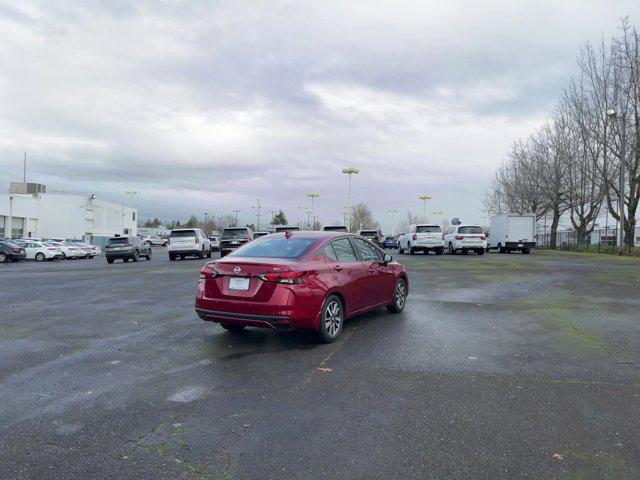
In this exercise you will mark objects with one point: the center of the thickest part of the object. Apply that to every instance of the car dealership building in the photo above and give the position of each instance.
(27, 211)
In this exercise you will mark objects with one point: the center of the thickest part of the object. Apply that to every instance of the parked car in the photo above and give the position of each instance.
(371, 235)
(260, 233)
(389, 242)
(511, 232)
(286, 228)
(215, 242)
(11, 252)
(335, 228)
(39, 251)
(71, 250)
(422, 237)
(233, 237)
(154, 240)
(465, 238)
(313, 280)
(188, 242)
(84, 248)
(126, 248)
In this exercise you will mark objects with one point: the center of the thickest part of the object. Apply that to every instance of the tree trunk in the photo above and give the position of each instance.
(553, 241)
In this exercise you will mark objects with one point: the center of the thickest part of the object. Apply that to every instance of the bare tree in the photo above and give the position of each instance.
(362, 217)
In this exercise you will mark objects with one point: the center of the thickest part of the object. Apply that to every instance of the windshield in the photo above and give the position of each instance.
(471, 229)
(183, 233)
(368, 233)
(235, 233)
(335, 228)
(275, 247)
(287, 229)
(428, 229)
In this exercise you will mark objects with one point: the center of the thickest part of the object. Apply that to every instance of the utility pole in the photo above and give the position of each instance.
(272, 212)
(206, 216)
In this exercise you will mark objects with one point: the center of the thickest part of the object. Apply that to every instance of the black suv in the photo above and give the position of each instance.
(11, 252)
(126, 248)
(233, 237)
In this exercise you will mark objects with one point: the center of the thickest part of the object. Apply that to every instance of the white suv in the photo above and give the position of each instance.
(422, 237)
(185, 242)
(465, 238)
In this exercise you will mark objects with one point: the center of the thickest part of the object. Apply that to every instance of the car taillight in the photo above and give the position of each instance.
(285, 277)
(51, 249)
(443, 236)
(459, 238)
(197, 240)
(415, 236)
(15, 250)
(71, 248)
(483, 238)
(208, 272)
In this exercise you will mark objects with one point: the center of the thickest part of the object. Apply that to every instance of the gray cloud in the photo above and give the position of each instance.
(208, 105)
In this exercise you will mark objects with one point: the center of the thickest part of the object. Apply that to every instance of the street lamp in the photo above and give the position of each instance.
(424, 198)
(236, 212)
(313, 196)
(131, 193)
(437, 213)
(349, 171)
(272, 212)
(206, 216)
(393, 212)
(612, 114)
(257, 207)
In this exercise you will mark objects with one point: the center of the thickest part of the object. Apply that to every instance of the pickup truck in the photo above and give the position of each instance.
(422, 237)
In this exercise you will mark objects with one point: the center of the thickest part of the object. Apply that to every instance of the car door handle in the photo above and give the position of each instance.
(337, 267)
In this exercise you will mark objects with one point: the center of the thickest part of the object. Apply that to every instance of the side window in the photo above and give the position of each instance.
(367, 252)
(344, 251)
(329, 252)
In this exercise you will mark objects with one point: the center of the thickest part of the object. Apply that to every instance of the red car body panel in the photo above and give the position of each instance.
(363, 286)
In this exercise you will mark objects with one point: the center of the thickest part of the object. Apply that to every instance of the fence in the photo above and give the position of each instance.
(598, 241)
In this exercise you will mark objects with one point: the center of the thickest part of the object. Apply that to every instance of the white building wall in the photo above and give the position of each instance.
(68, 216)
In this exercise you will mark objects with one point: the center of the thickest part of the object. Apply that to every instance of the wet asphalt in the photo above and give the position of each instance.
(501, 366)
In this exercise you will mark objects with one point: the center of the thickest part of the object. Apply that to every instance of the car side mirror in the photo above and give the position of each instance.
(387, 259)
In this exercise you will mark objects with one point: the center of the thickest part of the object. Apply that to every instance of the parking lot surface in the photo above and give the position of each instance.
(501, 366)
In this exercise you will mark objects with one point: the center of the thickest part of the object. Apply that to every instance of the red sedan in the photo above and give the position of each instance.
(291, 280)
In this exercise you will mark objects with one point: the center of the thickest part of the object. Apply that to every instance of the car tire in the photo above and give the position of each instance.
(412, 250)
(136, 256)
(480, 251)
(400, 250)
(526, 251)
(210, 252)
(172, 258)
(439, 251)
(109, 260)
(233, 328)
(465, 251)
(452, 250)
(40, 257)
(331, 320)
(148, 255)
(125, 259)
(164, 244)
(501, 249)
(399, 297)
(3, 258)
(202, 254)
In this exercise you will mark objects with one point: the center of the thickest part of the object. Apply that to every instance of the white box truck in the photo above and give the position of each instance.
(510, 232)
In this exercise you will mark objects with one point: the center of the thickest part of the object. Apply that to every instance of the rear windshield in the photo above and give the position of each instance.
(428, 229)
(390, 238)
(470, 230)
(235, 233)
(335, 228)
(287, 229)
(113, 241)
(183, 233)
(275, 247)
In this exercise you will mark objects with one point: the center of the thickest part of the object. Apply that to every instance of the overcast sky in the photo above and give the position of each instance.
(207, 106)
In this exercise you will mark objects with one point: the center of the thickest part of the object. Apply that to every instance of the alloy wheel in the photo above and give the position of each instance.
(400, 294)
(333, 318)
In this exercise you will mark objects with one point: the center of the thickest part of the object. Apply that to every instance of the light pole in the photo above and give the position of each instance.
(272, 212)
(301, 208)
(349, 171)
(437, 213)
(424, 198)
(393, 212)
(313, 196)
(236, 213)
(206, 216)
(132, 194)
(611, 113)
(257, 207)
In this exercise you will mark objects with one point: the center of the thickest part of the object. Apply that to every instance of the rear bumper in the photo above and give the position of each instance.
(516, 245)
(273, 322)
(470, 245)
(185, 252)
(439, 244)
(116, 255)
